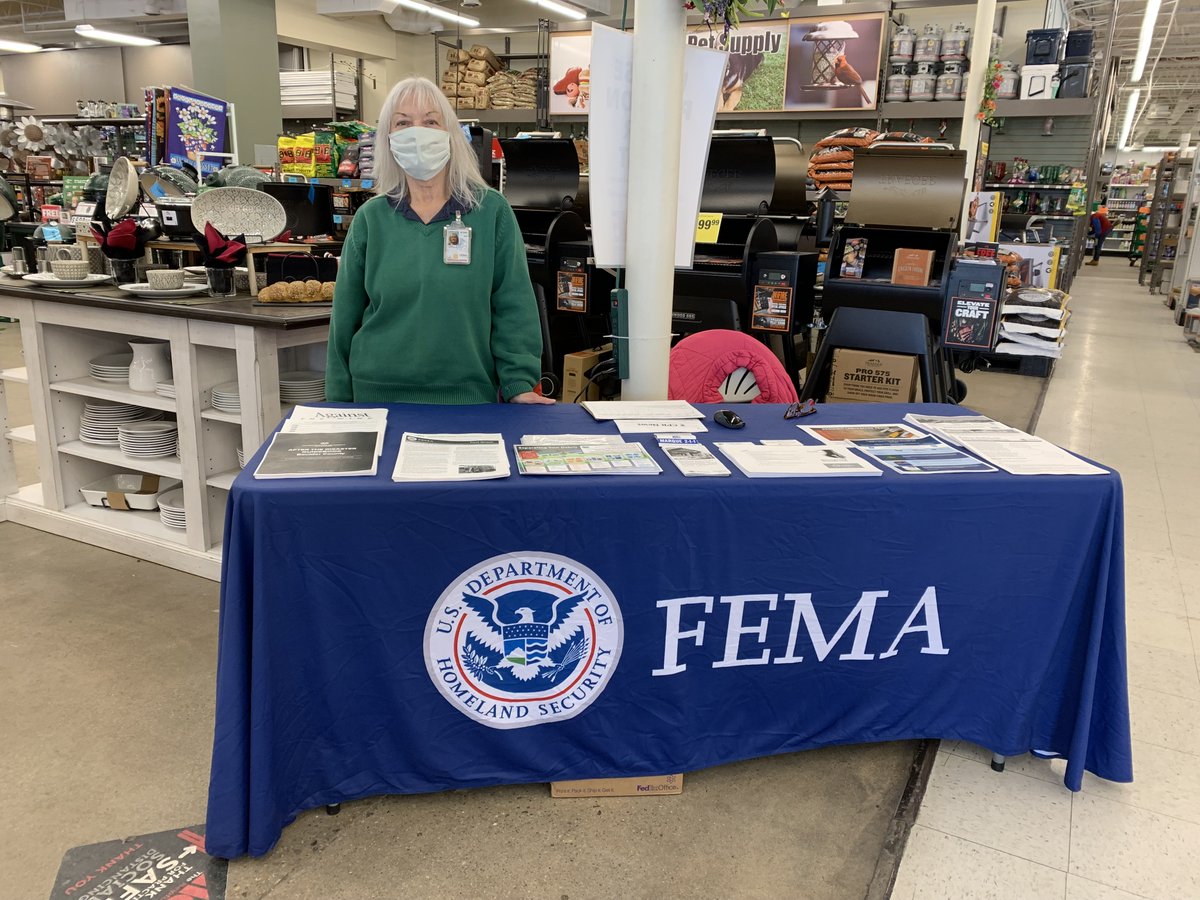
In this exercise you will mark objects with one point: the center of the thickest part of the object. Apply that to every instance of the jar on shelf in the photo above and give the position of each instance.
(928, 46)
(1010, 81)
(923, 84)
(904, 40)
(896, 89)
(950, 82)
(955, 42)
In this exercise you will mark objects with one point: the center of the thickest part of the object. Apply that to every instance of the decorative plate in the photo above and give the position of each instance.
(234, 210)
(144, 290)
(49, 279)
(122, 193)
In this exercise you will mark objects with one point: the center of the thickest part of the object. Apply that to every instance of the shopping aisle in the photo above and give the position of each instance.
(1127, 393)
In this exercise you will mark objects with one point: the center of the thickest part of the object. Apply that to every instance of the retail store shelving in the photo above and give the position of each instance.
(1123, 200)
(60, 337)
(1156, 219)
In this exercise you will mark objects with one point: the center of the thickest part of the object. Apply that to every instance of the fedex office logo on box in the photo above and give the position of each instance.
(522, 639)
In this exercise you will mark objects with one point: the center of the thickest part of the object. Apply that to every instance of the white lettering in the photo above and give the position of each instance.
(932, 627)
(671, 664)
(864, 612)
(733, 637)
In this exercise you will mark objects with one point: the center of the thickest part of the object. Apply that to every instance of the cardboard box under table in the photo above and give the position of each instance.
(642, 786)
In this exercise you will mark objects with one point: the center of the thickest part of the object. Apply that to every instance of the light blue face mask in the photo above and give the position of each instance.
(421, 152)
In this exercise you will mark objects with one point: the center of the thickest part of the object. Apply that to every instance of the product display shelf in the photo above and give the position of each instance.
(61, 333)
(1156, 219)
(1187, 178)
(18, 375)
(1169, 224)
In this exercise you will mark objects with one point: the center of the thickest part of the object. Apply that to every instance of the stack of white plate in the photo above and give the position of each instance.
(241, 458)
(170, 509)
(165, 389)
(301, 387)
(101, 421)
(112, 368)
(149, 440)
(226, 398)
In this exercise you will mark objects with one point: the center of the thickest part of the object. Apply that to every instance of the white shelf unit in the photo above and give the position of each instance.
(60, 338)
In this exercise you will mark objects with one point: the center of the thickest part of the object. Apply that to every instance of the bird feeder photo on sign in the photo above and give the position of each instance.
(834, 63)
(829, 52)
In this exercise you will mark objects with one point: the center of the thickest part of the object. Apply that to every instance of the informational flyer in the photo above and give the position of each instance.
(309, 419)
(690, 456)
(585, 459)
(450, 457)
(927, 456)
(318, 455)
(841, 434)
(791, 459)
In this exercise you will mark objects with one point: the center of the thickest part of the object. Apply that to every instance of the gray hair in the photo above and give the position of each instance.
(467, 185)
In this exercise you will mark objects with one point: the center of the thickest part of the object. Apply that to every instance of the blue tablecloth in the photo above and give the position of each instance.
(371, 641)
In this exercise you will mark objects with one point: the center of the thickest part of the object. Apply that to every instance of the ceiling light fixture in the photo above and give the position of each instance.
(1130, 110)
(116, 37)
(1149, 21)
(19, 46)
(562, 9)
(438, 11)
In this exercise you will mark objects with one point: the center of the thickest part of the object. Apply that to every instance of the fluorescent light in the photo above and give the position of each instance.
(438, 11)
(562, 9)
(116, 37)
(1149, 20)
(19, 46)
(1130, 111)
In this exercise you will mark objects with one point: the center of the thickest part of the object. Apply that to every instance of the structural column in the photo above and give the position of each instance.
(656, 116)
(981, 52)
(235, 57)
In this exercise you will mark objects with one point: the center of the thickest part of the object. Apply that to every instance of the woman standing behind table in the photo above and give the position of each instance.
(433, 301)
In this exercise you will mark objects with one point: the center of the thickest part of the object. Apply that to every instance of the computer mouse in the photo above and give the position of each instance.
(727, 418)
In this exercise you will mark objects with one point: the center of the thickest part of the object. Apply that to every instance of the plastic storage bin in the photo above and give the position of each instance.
(1044, 46)
(1079, 46)
(1039, 82)
(1074, 79)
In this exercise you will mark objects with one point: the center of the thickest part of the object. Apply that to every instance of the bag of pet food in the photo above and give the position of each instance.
(303, 155)
(325, 154)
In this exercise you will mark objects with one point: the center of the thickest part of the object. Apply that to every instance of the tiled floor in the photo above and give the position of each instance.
(1127, 393)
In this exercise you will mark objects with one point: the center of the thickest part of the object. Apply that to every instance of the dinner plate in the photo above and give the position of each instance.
(49, 279)
(144, 290)
(122, 193)
(234, 210)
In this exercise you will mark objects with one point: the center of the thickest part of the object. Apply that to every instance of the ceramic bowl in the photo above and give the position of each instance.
(69, 269)
(165, 279)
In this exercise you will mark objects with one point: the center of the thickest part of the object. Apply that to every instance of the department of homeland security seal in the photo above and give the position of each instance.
(522, 639)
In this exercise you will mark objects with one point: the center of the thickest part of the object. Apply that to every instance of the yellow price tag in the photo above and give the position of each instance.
(708, 226)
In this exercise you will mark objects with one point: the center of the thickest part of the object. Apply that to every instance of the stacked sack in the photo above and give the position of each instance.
(832, 162)
(466, 79)
(513, 90)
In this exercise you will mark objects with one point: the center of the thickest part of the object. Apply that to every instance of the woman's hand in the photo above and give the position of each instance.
(530, 397)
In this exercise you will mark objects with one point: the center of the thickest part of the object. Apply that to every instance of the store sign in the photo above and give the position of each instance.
(801, 64)
(168, 864)
(708, 226)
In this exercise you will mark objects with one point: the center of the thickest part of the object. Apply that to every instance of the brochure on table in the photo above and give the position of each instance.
(792, 459)
(329, 419)
(321, 454)
(926, 456)
(585, 459)
(604, 410)
(450, 457)
(690, 456)
(1011, 449)
(841, 434)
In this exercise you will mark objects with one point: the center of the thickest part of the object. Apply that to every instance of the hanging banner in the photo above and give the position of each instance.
(703, 71)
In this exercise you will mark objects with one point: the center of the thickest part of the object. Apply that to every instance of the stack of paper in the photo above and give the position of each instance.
(450, 457)
(1011, 449)
(791, 459)
(927, 456)
(328, 419)
(604, 410)
(319, 454)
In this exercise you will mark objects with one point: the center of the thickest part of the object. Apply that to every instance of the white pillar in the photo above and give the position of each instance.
(981, 52)
(655, 122)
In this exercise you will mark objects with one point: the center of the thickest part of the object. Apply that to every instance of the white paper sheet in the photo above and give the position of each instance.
(1036, 457)
(652, 426)
(450, 457)
(310, 419)
(641, 409)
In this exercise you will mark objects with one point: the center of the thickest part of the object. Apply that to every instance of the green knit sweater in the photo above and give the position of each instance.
(407, 328)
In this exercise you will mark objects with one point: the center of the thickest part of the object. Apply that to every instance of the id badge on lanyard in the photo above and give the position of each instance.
(456, 243)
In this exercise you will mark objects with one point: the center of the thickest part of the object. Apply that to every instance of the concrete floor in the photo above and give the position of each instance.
(108, 664)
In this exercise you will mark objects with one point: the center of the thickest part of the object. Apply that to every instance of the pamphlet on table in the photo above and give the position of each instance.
(1013, 450)
(841, 434)
(658, 426)
(312, 419)
(585, 459)
(792, 459)
(927, 456)
(542, 439)
(603, 410)
(689, 455)
(450, 457)
(319, 454)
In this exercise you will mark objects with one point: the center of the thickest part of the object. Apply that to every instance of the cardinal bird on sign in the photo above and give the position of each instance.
(847, 75)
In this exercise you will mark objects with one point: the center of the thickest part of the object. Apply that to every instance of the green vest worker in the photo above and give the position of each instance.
(433, 301)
